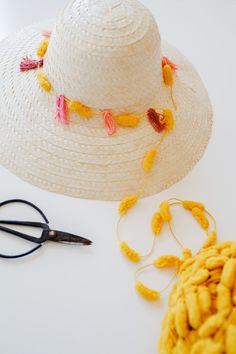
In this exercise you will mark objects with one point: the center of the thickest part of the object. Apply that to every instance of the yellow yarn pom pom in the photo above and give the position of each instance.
(126, 120)
(200, 217)
(80, 109)
(167, 260)
(42, 49)
(129, 252)
(168, 119)
(44, 82)
(147, 293)
(187, 253)
(167, 75)
(126, 204)
(211, 239)
(190, 204)
(156, 223)
(165, 211)
(149, 159)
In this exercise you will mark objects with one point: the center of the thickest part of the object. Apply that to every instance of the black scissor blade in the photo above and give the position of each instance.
(65, 237)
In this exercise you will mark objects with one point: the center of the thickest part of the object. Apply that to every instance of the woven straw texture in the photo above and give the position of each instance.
(106, 54)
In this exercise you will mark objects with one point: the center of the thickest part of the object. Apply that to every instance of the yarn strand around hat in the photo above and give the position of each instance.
(82, 101)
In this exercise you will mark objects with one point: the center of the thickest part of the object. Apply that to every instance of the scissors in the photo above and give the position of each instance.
(47, 233)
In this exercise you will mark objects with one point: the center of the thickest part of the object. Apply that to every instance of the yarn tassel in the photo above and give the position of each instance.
(29, 64)
(61, 105)
(165, 61)
(46, 33)
(156, 120)
(110, 123)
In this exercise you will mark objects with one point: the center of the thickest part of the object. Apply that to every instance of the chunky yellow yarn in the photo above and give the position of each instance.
(44, 82)
(202, 304)
(131, 254)
(127, 120)
(80, 109)
(126, 204)
(146, 293)
(149, 159)
(42, 48)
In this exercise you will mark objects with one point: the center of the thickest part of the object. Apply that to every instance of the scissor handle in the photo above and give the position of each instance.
(20, 255)
(43, 226)
(27, 203)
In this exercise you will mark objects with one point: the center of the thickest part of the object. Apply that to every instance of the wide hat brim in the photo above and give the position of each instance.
(79, 159)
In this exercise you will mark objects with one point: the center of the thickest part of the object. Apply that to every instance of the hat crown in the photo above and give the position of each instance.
(106, 54)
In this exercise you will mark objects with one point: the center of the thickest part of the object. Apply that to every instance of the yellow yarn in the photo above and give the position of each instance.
(223, 300)
(168, 119)
(80, 109)
(200, 217)
(157, 223)
(126, 204)
(42, 48)
(204, 298)
(228, 274)
(193, 308)
(200, 277)
(149, 159)
(167, 260)
(211, 239)
(230, 339)
(215, 262)
(167, 75)
(129, 252)
(181, 319)
(127, 120)
(44, 82)
(165, 211)
(187, 253)
(147, 293)
(190, 204)
(203, 301)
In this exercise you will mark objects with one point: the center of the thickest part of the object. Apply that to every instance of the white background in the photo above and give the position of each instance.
(70, 300)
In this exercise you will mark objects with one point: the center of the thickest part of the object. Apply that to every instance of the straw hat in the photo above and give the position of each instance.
(108, 56)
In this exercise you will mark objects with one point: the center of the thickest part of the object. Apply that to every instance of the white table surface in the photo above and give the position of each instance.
(66, 300)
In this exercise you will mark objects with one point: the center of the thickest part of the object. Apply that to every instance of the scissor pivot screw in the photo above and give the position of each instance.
(52, 234)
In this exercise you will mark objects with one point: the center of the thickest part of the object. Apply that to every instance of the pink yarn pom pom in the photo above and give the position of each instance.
(165, 61)
(29, 64)
(61, 106)
(46, 33)
(109, 122)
